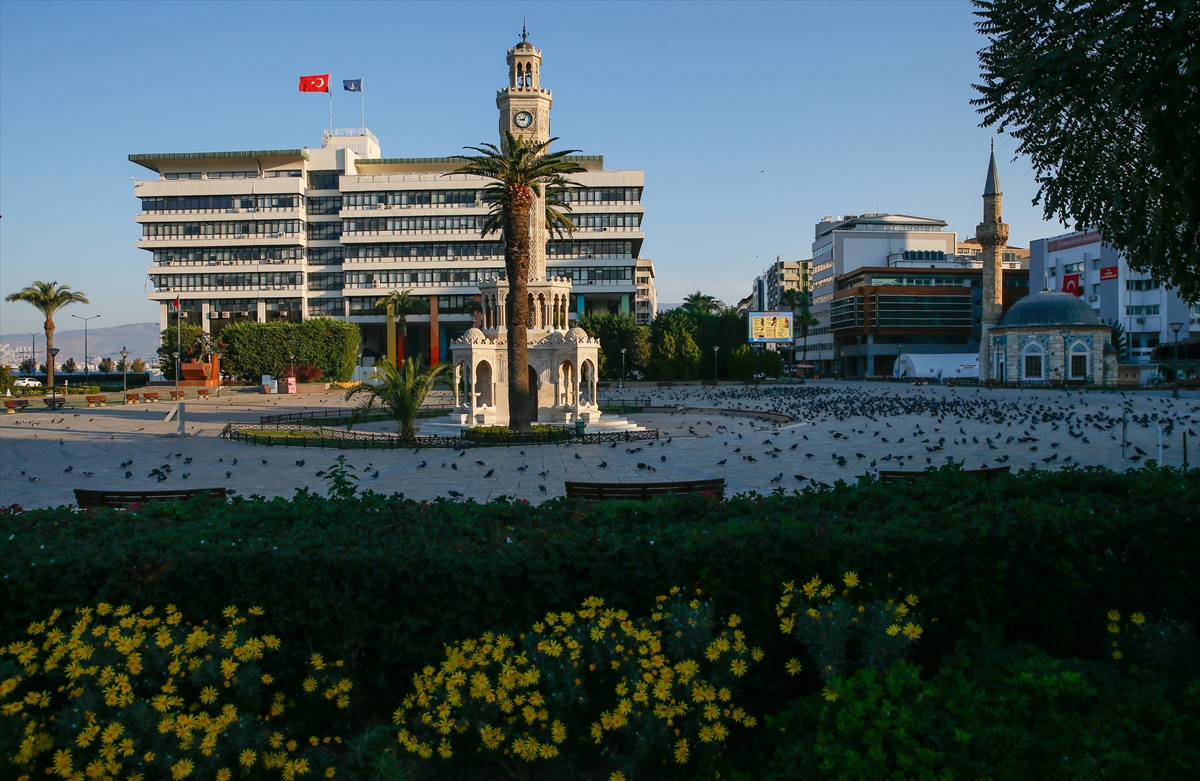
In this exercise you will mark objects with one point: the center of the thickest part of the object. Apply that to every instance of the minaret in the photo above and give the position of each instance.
(525, 111)
(992, 235)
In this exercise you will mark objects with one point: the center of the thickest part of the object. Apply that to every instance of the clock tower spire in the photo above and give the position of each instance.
(525, 112)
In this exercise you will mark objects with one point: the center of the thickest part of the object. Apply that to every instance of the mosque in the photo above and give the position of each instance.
(1048, 337)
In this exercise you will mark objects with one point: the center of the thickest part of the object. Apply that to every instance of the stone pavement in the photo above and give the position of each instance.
(831, 419)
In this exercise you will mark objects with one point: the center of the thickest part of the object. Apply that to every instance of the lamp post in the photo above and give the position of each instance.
(715, 348)
(1066, 358)
(51, 354)
(623, 368)
(32, 351)
(176, 356)
(85, 344)
(125, 375)
(1175, 362)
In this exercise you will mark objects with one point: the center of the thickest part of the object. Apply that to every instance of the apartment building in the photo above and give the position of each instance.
(1082, 264)
(288, 234)
(784, 275)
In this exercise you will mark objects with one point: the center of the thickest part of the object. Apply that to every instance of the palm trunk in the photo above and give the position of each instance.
(517, 243)
(49, 327)
(393, 354)
(402, 339)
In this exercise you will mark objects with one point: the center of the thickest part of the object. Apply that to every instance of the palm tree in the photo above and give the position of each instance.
(523, 171)
(698, 303)
(399, 306)
(400, 391)
(48, 298)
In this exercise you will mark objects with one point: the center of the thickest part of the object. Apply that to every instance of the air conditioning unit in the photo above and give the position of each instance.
(1093, 298)
(244, 314)
(251, 209)
(225, 315)
(273, 235)
(214, 315)
(239, 235)
(1141, 320)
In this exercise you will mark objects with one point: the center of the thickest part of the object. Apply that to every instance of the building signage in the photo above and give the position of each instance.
(770, 327)
(1076, 240)
(1071, 284)
(1107, 273)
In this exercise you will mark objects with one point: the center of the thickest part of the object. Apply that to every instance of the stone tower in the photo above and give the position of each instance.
(525, 111)
(992, 235)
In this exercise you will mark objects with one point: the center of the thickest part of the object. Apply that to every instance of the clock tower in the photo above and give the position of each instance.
(525, 111)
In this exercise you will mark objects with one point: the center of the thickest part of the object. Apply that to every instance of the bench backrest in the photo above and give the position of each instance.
(643, 491)
(88, 498)
(899, 474)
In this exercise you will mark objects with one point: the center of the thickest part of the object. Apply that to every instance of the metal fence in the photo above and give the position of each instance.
(357, 440)
(341, 415)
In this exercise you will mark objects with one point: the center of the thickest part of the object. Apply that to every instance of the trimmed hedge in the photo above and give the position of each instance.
(249, 350)
(1037, 557)
(499, 435)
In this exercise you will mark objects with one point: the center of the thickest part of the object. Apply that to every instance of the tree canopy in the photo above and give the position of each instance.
(1103, 97)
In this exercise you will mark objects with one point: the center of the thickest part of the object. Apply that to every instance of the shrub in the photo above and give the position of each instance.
(498, 435)
(251, 349)
(195, 343)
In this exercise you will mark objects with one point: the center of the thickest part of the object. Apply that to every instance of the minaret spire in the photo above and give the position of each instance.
(992, 235)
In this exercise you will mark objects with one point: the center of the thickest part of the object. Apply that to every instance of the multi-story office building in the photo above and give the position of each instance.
(877, 313)
(1080, 263)
(288, 234)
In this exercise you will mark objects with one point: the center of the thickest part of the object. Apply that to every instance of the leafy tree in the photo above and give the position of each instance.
(742, 364)
(616, 331)
(399, 305)
(674, 354)
(523, 171)
(69, 366)
(250, 350)
(196, 347)
(27, 366)
(138, 366)
(1102, 97)
(6, 379)
(699, 303)
(726, 330)
(48, 298)
(106, 365)
(400, 391)
(1120, 340)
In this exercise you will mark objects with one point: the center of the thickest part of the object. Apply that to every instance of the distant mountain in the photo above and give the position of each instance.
(141, 339)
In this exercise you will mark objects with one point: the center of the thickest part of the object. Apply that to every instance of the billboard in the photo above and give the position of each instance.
(770, 327)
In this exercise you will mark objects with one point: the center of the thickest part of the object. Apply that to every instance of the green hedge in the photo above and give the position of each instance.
(249, 350)
(498, 435)
(1037, 558)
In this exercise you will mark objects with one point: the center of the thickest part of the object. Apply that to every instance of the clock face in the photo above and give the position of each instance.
(523, 119)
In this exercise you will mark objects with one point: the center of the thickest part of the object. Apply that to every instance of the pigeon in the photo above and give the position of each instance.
(321, 473)
(523, 467)
(235, 462)
(228, 474)
(777, 478)
(454, 493)
(186, 475)
(480, 463)
(88, 474)
(69, 469)
(543, 473)
(454, 466)
(722, 462)
(490, 472)
(376, 474)
(128, 475)
(188, 460)
(33, 479)
(422, 465)
(264, 460)
(578, 456)
(603, 465)
(542, 488)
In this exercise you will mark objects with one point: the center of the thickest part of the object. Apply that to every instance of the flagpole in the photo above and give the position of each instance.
(362, 89)
(330, 90)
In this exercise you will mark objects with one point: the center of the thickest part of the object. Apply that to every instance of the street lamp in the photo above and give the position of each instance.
(1066, 358)
(125, 375)
(623, 368)
(715, 348)
(32, 352)
(51, 354)
(1175, 362)
(176, 356)
(85, 344)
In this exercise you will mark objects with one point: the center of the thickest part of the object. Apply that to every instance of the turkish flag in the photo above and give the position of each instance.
(1071, 284)
(314, 83)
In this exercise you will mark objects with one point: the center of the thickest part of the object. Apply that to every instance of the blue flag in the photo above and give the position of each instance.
(352, 85)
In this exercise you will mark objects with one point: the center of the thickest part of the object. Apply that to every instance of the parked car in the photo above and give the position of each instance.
(26, 382)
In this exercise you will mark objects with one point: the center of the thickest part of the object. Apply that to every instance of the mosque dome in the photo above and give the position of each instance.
(473, 336)
(1049, 309)
(577, 335)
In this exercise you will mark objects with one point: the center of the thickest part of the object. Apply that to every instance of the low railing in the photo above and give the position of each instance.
(329, 416)
(285, 435)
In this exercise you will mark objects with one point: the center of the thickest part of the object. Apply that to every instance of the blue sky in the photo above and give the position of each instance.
(751, 121)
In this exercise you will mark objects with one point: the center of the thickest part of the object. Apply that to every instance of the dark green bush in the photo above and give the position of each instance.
(249, 349)
(498, 435)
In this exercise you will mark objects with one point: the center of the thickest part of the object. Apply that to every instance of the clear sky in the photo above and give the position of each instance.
(751, 121)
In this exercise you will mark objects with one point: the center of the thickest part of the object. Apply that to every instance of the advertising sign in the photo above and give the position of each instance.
(1074, 240)
(770, 327)
(1071, 284)
(291, 384)
(1108, 273)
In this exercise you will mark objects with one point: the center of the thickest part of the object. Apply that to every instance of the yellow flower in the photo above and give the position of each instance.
(317, 661)
(911, 599)
(268, 680)
(1114, 628)
(208, 695)
(310, 684)
(1116, 654)
(681, 751)
(830, 694)
(734, 620)
(792, 666)
(224, 774)
(182, 769)
(912, 631)
(738, 667)
(850, 579)
(1138, 619)
(558, 732)
(893, 630)
(617, 776)
(1114, 615)
(330, 772)
(256, 611)
(247, 758)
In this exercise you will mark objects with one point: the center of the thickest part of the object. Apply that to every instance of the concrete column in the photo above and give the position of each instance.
(260, 310)
(435, 341)
(205, 308)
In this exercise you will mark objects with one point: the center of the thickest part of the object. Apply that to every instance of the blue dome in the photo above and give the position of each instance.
(1047, 309)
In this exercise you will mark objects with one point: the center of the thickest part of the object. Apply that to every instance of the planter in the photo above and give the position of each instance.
(312, 387)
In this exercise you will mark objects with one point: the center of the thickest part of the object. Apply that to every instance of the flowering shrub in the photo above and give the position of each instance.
(832, 619)
(663, 685)
(117, 693)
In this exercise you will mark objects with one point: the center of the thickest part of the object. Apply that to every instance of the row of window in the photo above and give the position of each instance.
(231, 229)
(220, 203)
(325, 204)
(606, 220)
(392, 279)
(286, 174)
(890, 228)
(469, 250)
(924, 254)
(227, 254)
(325, 281)
(592, 273)
(414, 198)
(324, 231)
(903, 311)
(467, 224)
(226, 281)
(1141, 310)
(589, 195)
(1142, 284)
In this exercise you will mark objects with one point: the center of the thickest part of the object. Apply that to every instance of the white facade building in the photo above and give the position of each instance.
(288, 234)
(1141, 304)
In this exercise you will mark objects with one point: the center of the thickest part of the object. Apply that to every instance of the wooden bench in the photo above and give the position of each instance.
(644, 491)
(178, 395)
(202, 393)
(894, 475)
(97, 401)
(86, 498)
(55, 401)
(666, 385)
(131, 398)
(12, 406)
(152, 396)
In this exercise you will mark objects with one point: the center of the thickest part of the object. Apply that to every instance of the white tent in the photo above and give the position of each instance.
(935, 366)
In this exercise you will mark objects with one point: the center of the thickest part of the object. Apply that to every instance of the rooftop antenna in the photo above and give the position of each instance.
(524, 32)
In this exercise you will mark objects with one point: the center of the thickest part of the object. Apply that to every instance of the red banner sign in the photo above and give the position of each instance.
(1108, 273)
(1074, 240)
(1071, 284)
